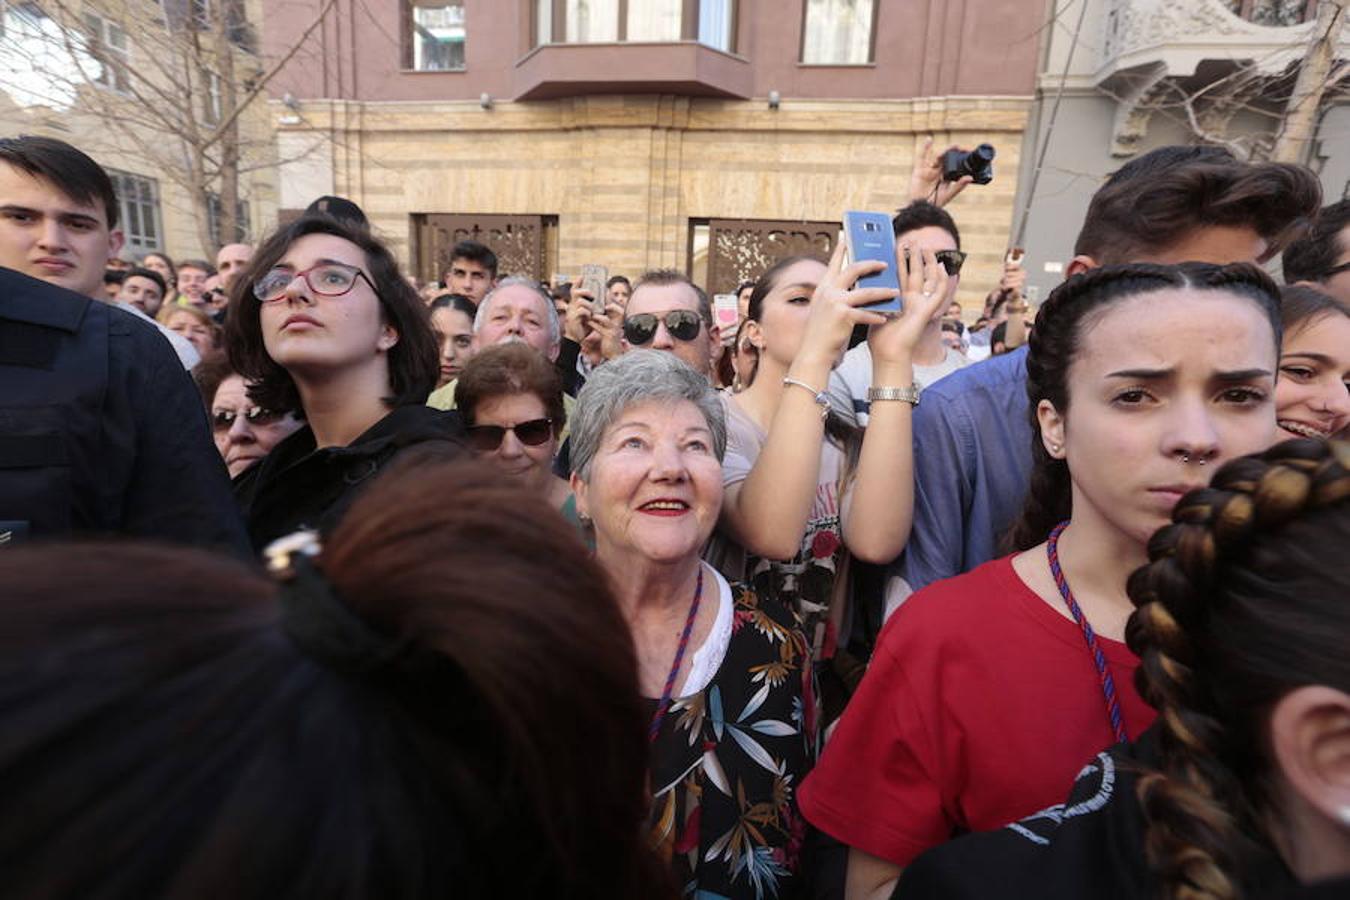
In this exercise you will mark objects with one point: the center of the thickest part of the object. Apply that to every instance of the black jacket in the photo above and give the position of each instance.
(101, 430)
(1090, 846)
(296, 486)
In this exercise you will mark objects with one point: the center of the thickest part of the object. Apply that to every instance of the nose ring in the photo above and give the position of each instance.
(1186, 458)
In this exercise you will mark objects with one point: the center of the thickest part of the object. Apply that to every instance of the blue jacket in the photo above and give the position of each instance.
(101, 430)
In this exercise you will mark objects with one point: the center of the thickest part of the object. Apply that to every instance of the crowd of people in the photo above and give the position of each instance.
(319, 581)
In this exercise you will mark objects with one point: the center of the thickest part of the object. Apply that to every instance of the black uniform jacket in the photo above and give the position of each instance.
(1090, 846)
(296, 486)
(101, 430)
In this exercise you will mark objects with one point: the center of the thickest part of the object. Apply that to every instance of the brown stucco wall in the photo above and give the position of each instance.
(923, 48)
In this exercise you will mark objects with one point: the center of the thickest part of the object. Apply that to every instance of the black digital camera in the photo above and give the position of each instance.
(978, 164)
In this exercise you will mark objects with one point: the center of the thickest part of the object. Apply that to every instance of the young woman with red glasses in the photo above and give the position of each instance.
(511, 398)
(323, 324)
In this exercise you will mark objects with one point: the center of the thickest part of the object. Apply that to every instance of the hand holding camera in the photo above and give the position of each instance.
(937, 178)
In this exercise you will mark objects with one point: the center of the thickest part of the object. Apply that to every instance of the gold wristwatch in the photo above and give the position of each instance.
(908, 394)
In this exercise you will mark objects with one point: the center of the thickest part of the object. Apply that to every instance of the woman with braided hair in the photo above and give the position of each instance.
(1242, 786)
(987, 691)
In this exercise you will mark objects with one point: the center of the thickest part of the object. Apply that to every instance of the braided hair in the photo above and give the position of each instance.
(1054, 346)
(1242, 602)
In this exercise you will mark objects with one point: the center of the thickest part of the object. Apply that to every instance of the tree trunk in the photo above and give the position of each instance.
(229, 139)
(1300, 118)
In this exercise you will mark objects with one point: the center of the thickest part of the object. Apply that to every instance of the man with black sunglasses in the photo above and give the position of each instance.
(919, 226)
(669, 312)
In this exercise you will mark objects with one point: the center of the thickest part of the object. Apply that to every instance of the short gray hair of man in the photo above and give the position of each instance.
(666, 277)
(554, 326)
(640, 376)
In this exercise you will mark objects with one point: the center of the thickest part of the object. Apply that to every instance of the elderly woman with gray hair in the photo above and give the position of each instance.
(727, 675)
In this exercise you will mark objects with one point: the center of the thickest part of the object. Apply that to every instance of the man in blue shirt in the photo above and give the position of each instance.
(972, 432)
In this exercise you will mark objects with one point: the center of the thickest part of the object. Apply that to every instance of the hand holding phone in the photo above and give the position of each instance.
(869, 236)
(593, 280)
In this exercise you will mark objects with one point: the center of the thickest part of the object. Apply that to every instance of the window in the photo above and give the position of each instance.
(108, 45)
(211, 102)
(138, 209)
(435, 30)
(838, 32)
(710, 22)
(1274, 13)
(241, 225)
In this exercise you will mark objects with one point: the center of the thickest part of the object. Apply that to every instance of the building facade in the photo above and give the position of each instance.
(711, 136)
(1121, 77)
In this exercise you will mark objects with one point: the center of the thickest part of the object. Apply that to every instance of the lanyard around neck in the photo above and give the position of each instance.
(1108, 683)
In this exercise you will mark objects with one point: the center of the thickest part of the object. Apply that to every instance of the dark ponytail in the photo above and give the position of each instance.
(1054, 345)
(1242, 603)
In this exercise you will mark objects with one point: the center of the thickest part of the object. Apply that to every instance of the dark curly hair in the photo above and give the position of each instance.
(413, 362)
(1054, 345)
(1243, 601)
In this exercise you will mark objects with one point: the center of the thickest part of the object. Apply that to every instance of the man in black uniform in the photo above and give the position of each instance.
(101, 430)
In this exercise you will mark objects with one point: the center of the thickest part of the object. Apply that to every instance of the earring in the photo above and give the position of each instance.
(1344, 815)
(1055, 448)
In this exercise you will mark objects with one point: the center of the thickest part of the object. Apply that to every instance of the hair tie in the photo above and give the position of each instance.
(316, 619)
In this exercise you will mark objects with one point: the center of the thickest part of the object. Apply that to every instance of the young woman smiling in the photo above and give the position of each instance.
(988, 691)
(323, 323)
(1312, 395)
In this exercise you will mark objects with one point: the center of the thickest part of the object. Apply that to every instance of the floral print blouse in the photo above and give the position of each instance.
(727, 762)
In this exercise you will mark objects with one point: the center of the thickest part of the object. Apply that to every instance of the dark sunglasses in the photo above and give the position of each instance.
(952, 260)
(486, 438)
(683, 325)
(255, 415)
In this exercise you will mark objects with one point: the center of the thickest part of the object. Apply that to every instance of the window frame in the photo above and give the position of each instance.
(115, 62)
(690, 14)
(243, 222)
(408, 58)
(122, 181)
(871, 42)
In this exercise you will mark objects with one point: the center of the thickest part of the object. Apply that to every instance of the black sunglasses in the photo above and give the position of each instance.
(683, 325)
(255, 415)
(486, 438)
(952, 260)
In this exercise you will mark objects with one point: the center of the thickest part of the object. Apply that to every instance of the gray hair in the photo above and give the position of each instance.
(640, 376)
(554, 326)
(666, 277)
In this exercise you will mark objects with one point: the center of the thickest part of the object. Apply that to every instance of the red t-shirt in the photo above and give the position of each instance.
(980, 707)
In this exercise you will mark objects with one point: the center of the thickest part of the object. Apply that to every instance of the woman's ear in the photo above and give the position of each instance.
(579, 489)
(754, 335)
(1310, 740)
(387, 339)
(1080, 264)
(1052, 429)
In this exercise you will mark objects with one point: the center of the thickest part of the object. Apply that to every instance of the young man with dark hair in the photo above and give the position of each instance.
(192, 277)
(1322, 255)
(972, 434)
(618, 289)
(669, 312)
(104, 432)
(142, 289)
(919, 226)
(472, 272)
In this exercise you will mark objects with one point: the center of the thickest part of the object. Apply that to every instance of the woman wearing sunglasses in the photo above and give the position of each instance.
(323, 324)
(244, 432)
(511, 398)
